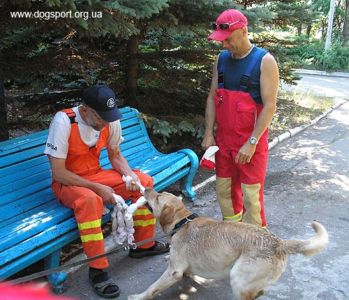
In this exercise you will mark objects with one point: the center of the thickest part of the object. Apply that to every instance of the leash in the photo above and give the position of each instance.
(81, 262)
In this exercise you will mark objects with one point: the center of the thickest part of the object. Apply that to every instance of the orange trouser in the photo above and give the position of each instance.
(88, 209)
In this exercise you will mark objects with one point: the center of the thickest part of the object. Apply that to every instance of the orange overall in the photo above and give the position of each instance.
(87, 205)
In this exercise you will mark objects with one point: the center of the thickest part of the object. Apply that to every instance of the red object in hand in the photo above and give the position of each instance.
(208, 159)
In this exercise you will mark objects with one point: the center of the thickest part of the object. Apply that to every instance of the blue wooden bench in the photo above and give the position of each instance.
(34, 226)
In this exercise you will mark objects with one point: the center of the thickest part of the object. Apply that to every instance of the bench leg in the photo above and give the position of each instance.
(58, 279)
(187, 182)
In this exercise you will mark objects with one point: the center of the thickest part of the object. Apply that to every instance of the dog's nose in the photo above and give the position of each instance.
(147, 190)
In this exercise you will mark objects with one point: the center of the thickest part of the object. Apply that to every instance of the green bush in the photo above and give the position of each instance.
(313, 55)
(336, 58)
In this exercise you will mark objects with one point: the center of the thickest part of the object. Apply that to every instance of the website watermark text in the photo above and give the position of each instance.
(55, 15)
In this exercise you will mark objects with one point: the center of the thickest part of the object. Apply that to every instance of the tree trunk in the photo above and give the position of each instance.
(309, 26)
(132, 71)
(323, 31)
(299, 29)
(3, 114)
(346, 24)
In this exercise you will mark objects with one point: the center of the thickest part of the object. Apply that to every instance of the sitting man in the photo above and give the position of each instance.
(76, 138)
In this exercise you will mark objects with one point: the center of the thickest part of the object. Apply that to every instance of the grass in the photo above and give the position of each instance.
(296, 109)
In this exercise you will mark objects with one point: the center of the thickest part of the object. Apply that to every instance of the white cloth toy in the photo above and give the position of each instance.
(122, 216)
(128, 180)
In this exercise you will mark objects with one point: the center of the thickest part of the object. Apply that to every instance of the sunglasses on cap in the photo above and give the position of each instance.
(223, 26)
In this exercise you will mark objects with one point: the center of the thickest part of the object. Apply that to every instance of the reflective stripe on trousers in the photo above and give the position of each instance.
(88, 209)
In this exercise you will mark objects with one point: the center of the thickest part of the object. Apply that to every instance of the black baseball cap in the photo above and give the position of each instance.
(103, 100)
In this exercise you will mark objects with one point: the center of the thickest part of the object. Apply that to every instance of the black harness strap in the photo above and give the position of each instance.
(245, 80)
(182, 222)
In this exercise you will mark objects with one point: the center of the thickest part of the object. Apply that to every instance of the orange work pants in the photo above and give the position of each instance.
(88, 210)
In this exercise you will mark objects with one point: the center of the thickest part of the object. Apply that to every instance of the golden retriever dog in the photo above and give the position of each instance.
(252, 257)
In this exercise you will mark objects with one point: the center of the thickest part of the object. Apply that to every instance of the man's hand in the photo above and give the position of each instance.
(105, 192)
(132, 184)
(245, 153)
(208, 141)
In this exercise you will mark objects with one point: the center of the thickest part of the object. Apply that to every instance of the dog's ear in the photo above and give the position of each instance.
(166, 217)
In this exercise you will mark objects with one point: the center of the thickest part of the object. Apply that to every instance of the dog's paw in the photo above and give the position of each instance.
(135, 297)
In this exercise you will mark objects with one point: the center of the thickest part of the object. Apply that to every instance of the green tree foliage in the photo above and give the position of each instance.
(155, 53)
(298, 14)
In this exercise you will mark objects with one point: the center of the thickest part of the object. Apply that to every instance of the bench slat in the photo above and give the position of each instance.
(41, 224)
(134, 120)
(19, 173)
(36, 241)
(21, 156)
(171, 170)
(26, 181)
(131, 129)
(146, 154)
(17, 208)
(26, 192)
(25, 261)
(27, 217)
(170, 180)
(30, 144)
(131, 144)
(25, 165)
(21, 141)
(158, 162)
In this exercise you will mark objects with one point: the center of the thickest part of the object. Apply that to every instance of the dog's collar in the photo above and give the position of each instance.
(183, 222)
(149, 207)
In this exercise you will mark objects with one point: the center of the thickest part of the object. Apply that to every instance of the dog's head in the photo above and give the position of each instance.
(166, 208)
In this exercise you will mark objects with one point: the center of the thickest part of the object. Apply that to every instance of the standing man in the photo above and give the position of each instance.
(76, 138)
(241, 102)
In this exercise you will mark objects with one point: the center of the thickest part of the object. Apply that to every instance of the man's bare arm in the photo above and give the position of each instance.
(269, 82)
(210, 113)
(121, 165)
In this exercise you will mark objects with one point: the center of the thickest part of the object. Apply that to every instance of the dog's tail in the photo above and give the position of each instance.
(308, 247)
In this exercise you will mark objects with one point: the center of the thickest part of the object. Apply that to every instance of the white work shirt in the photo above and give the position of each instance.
(58, 136)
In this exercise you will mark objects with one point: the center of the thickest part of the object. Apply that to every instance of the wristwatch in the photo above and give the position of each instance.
(253, 140)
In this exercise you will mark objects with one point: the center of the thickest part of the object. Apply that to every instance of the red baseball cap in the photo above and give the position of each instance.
(232, 17)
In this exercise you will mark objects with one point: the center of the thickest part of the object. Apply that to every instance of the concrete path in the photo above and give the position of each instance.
(308, 179)
(314, 83)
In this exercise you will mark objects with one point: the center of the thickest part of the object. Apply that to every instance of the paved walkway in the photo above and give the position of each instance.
(315, 83)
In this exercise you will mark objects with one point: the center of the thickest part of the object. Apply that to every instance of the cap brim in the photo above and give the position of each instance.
(110, 115)
(219, 35)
